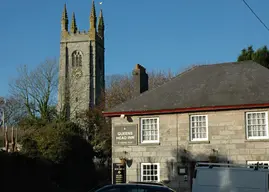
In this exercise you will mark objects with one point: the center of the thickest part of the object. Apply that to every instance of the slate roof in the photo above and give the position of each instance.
(224, 84)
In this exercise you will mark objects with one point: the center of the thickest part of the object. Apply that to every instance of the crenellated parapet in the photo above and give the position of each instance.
(95, 33)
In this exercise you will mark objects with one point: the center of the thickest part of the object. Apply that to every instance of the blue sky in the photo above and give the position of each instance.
(161, 35)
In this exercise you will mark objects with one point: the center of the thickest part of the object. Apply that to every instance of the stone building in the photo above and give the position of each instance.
(210, 113)
(81, 68)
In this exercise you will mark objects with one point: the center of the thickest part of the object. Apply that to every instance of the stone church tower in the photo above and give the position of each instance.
(81, 70)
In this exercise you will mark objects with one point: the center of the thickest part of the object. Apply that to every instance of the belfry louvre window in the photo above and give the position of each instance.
(76, 59)
(149, 130)
(257, 125)
(199, 127)
(150, 172)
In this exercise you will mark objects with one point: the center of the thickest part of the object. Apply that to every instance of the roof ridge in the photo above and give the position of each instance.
(229, 63)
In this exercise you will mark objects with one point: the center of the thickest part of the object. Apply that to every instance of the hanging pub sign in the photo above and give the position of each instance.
(125, 135)
(119, 173)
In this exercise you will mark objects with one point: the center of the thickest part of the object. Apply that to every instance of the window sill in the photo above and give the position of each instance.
(257, 140)
(155, 143)
(199, 142)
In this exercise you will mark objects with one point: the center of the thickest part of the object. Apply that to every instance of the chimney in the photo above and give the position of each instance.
(140, 78)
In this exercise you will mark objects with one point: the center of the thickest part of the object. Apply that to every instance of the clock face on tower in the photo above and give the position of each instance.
(77, 73)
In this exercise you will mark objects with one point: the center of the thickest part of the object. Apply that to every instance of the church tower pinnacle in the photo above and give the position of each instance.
(101, 25)
(64, 21)
(73, 24)
(93, 19)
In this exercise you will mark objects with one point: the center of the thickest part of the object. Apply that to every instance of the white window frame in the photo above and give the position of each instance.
(266, 127)
(199, 139)
(141, 130)
(254, 163)
(158, 170)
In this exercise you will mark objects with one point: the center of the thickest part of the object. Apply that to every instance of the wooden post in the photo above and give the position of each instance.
(4, 135)
(16, 139)
(3, 125)
(12, 139)
(6, 140)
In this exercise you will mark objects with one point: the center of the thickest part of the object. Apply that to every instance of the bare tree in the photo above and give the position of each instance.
(14, 111)
(37, 88)
(120, 87)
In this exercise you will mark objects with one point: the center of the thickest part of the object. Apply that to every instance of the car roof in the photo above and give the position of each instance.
(137, 184)
(147, 183)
